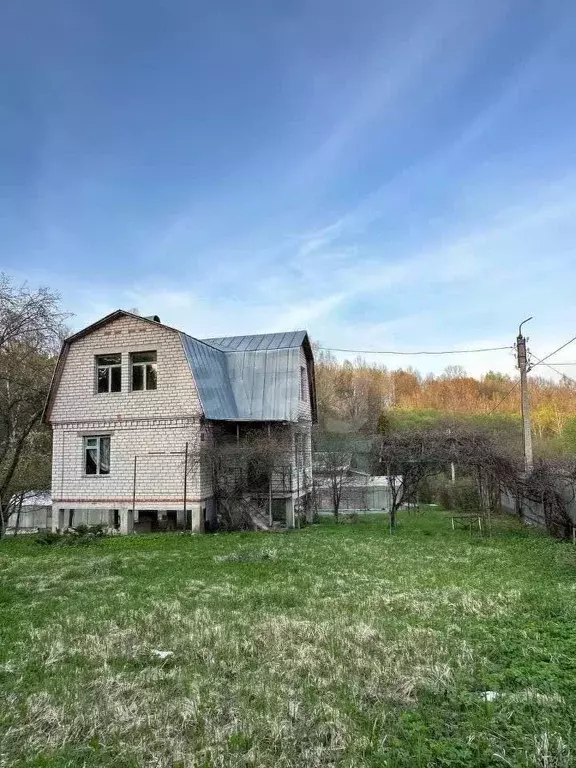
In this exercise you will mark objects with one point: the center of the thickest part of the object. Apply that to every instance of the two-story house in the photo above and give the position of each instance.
(134, 405)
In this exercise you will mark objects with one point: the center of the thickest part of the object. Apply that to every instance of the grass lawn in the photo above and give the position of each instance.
(330, 646)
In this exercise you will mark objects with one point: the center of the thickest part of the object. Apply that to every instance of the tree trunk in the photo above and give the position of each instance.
(17, 526)
(2, 521)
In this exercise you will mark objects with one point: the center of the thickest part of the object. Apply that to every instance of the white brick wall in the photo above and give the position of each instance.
(139, 423)
(176, 395)
(160, 421)
(159, 477)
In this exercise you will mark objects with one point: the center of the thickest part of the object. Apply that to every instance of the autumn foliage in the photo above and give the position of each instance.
(363, 397)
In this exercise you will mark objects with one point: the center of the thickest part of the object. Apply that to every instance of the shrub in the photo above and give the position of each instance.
(48, 538)
(461, 496)
(73, 537)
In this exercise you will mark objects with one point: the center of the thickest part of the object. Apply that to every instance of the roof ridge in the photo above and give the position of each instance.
(201, 341)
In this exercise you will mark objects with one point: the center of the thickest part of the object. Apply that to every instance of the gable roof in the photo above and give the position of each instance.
(239, 378)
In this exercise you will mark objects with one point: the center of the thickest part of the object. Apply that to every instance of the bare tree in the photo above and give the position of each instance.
(31, 326)
(333, 458)
(29, 316)
(552, 486)
(406, 457)
(245, 471)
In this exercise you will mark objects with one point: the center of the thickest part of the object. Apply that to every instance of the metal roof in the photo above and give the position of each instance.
(251, 378)
(262, 341)
(208, 366)
(239, 378)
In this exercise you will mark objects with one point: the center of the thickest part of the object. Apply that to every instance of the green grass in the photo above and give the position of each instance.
(330, 646)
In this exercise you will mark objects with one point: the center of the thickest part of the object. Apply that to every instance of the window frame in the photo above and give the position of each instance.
(98, 446)
(144, 365)
(107, 367)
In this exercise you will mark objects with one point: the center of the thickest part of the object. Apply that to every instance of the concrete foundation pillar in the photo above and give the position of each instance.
(58, 517)
(197, 515)
(290, 519)
(126, 521)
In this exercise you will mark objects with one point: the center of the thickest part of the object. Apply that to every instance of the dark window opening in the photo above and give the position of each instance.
(279, 510)
(144, 371)
(109, 373)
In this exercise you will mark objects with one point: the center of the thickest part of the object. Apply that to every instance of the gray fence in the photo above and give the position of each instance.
(533, 512)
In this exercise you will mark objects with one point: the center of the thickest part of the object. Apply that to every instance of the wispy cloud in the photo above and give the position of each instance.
(411, 184)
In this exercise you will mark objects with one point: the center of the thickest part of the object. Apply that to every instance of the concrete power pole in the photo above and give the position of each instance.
(526, 423)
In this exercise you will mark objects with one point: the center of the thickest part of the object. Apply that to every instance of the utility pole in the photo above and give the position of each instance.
(452, 465)
(526, 423)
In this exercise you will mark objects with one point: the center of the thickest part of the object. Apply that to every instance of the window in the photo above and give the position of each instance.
(97, 455)
(109, 373)
(143, 370)
(303, 383)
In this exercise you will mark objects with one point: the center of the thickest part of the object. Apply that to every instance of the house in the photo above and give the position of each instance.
(136, 408)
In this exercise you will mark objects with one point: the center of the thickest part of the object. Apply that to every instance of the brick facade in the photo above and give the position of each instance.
(151, 426)
(141, 423)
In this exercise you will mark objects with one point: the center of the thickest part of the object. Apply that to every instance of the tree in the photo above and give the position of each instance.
(332, 461)
(31, 327)
(406, 457)
(245, 468)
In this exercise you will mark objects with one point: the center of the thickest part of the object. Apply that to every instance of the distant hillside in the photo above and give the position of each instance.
(362, 395)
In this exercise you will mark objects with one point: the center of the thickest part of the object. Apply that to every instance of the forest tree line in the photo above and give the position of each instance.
(367, 398)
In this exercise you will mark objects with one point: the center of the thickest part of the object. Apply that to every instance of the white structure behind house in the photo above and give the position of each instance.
(33, 514)
(360, 492)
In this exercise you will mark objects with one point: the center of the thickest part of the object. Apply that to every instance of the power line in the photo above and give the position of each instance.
(564, 362)
(506, 396)
(540, 362)
(420, 352)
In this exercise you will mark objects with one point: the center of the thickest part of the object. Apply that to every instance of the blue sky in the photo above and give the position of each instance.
(386, 175)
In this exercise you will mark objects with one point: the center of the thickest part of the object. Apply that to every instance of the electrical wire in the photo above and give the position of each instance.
(540, 362)
(506, 396)
(564, 362)
(420, 352)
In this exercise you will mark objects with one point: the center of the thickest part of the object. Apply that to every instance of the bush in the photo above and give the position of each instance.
(73, 537)
(462, 496)
(302, 520)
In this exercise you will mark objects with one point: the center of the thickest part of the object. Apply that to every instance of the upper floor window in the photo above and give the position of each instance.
(143, 370)
(109, 373)
(303, 383)
(97, 455)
